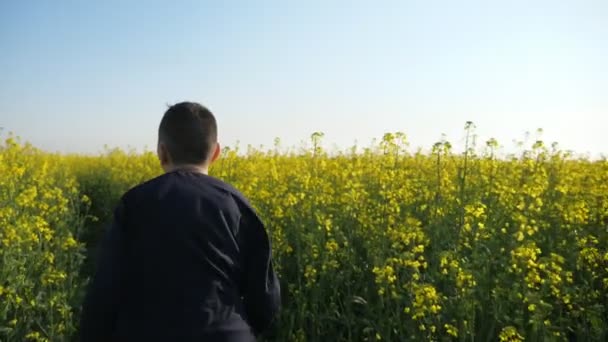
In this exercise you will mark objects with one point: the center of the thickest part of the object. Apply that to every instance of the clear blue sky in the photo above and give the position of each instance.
(76, 75)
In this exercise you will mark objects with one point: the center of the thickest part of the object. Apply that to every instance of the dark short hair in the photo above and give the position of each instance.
(189, 131)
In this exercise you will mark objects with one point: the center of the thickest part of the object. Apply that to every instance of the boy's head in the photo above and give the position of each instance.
(187, 136)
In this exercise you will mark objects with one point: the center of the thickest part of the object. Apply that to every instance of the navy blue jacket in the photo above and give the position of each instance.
(186, 259)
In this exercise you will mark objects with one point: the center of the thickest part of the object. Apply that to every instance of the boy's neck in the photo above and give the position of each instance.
(188, 167)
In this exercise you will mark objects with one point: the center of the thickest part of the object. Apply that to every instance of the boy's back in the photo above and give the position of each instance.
(186, 259)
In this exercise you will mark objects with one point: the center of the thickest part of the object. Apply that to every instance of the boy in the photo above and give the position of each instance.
(186, 258)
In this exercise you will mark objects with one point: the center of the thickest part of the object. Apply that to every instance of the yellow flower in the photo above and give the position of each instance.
(331, 246)
(69, 243)
(509, 334)
(310, 274)
(451, 330)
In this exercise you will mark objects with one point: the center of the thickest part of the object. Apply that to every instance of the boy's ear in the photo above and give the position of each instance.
(216, 152)
(163, 154)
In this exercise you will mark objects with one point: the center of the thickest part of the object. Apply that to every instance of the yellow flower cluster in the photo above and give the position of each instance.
(40, 214)
(510, 334)
(371, 243)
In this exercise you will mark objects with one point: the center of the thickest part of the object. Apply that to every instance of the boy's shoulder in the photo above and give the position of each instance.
(160, 183)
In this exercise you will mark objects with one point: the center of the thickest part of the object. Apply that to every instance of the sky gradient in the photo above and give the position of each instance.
(77, 75)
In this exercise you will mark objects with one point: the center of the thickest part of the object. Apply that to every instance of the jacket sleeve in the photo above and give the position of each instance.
(102, 299)
(261, 289)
